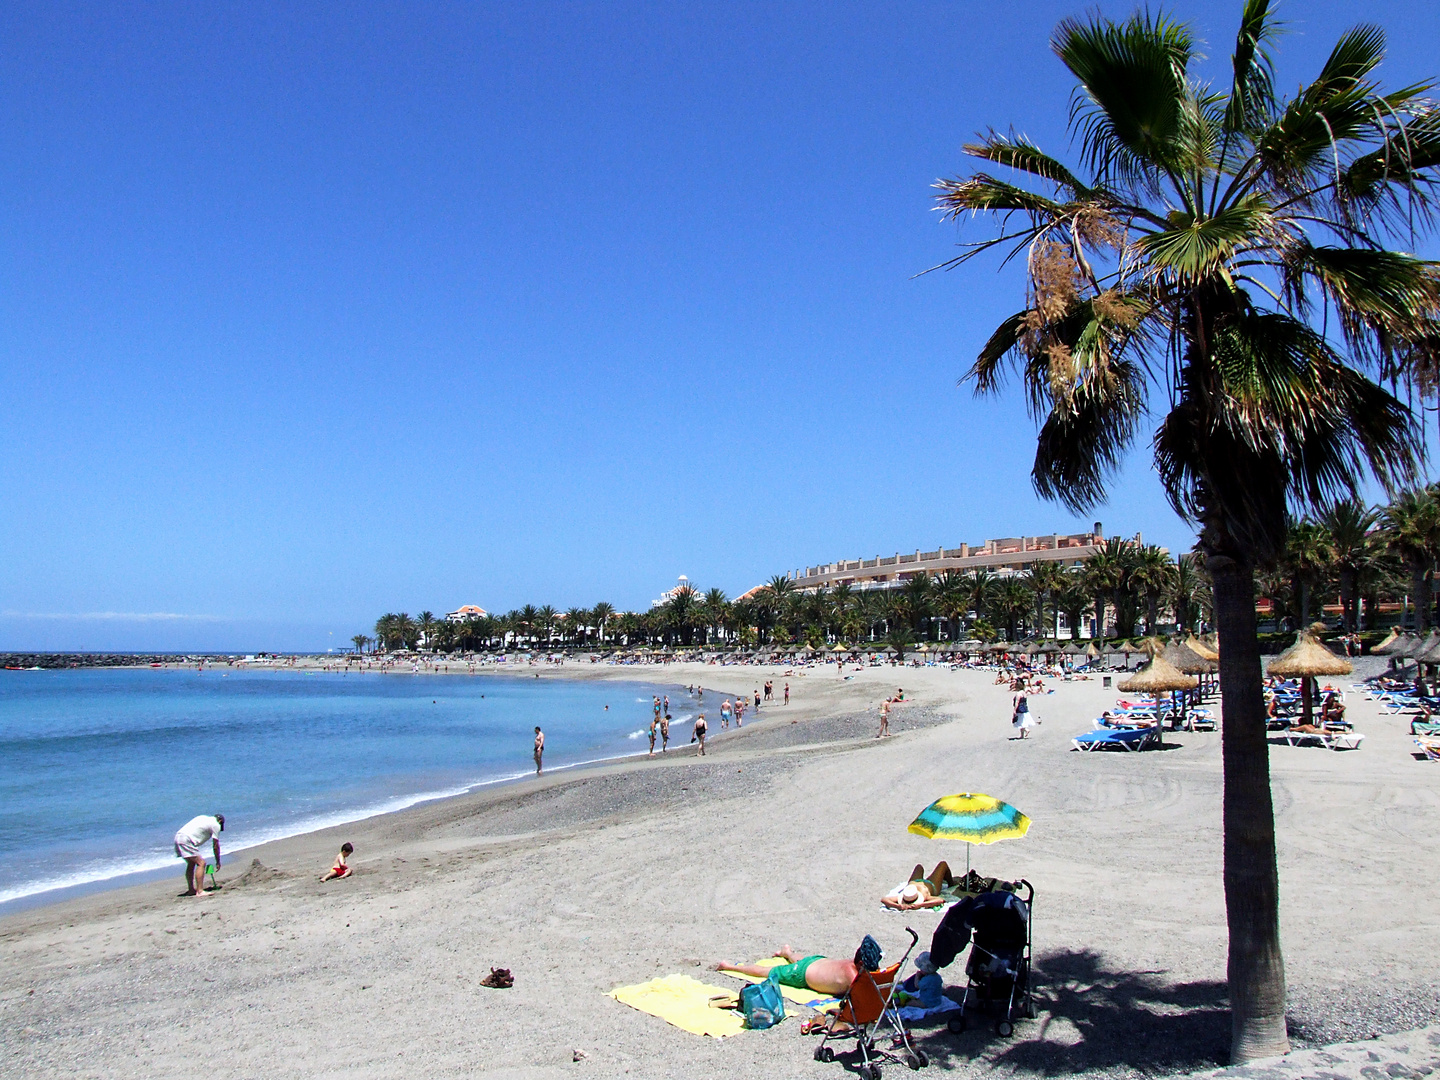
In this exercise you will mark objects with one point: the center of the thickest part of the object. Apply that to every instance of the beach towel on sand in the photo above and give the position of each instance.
(684, 1002)
(807, 997)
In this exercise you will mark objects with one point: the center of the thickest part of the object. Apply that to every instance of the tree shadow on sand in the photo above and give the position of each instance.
(1095, 1017)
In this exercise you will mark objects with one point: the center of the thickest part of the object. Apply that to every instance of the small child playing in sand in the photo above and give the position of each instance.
(341, 867)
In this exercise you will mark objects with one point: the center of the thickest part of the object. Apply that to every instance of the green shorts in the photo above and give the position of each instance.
(794, 974)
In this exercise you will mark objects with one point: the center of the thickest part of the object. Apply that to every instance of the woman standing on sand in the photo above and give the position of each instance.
(1021, 719)
(884, 719)
(700, 729)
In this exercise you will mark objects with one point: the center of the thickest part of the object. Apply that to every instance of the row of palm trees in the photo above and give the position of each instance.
(1361, 557)
(1124, 581)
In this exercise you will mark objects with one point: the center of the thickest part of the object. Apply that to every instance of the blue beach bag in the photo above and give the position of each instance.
(762, 1005)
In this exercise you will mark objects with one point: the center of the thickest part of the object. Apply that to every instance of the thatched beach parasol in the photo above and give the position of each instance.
(1384, 647)
(1156, 677)
(1304, 660)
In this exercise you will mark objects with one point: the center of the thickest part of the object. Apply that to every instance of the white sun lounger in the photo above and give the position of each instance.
(1331, 740)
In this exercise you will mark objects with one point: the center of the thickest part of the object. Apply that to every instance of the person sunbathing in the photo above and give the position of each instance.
(814, 972)
(920, 891)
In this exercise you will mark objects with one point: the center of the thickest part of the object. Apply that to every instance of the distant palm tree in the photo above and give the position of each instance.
(1411, 525)
(1010, 602)
(1307, 558)
(360, 641)
(425, 623)
(1188, 592)
(1104, 574)
(600, 615)
(1044, 579)
(1072, 599)
(1233, 248)
(1152, 575)
(1349, 523)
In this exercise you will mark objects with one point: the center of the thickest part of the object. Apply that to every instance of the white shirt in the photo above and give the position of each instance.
(198, 830)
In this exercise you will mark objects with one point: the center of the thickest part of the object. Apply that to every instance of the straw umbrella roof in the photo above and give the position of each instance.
(1432, 639)
(1186, 660)
(1411, 645)
(1074, 649)
(839, 648)
(1384, 647)
(1308, 656)
(1156, 677)
(1200, 647)
(1092, 649)
(1429, 656)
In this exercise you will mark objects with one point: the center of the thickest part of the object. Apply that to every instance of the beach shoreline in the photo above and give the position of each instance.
(784, 833)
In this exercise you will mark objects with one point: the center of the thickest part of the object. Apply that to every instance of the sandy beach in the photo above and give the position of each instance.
(789, 831)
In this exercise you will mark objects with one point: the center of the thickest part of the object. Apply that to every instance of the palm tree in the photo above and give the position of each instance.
(1151, 574)
(1348, 524)
(1411, 524)
(1307, 558)
(952, 600)
(1072, 599)
(601, 614)
(1104, 573)
(360, 641)
(1188, 592)
(425, 623)
(1010, 602)
(920, 599)
(979, 586)
(1045, 579)
(1232, 246)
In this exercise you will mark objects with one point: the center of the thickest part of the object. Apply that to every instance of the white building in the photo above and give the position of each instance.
(466, 611)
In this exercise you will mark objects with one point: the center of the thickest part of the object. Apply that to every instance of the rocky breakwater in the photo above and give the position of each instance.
(13, 661)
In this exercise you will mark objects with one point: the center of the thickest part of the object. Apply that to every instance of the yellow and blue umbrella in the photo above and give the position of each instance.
(974, 818)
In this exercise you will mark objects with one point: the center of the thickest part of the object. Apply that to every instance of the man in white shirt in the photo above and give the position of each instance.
(188, 842)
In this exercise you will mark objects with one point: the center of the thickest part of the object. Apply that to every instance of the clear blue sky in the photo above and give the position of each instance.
(312, 312)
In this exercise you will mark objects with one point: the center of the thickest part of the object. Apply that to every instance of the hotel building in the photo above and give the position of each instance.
(1005, 556)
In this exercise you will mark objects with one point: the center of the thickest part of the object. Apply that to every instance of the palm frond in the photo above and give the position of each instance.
(1376, 289)
(1252, 89)
(1019, 153)
(1132, 92)
(981, 192)
(1082, 444)
(987, 369)
(1194, 246)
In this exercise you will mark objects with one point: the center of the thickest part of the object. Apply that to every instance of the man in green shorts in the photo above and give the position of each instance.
(818, 973)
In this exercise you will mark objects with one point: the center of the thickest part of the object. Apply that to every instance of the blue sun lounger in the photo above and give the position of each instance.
(1115, 738)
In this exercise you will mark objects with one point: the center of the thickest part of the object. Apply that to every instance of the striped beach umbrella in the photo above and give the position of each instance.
(974, 818)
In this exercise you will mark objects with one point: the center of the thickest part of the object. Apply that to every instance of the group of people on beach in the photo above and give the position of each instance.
(192, 837)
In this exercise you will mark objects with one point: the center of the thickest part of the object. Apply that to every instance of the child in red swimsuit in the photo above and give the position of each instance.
(341, 867)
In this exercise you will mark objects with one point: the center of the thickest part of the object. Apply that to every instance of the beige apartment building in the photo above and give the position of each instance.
(1007, 555)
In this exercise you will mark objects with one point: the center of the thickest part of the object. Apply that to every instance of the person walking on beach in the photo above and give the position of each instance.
(193, 835)
(539, 749)
(700, 729)
(652, 738)
(884, 719)
(725, 713)
(1021, 720)
(757, 700)
(664, 733)
(655, 706)
(787, 693)
(666, 703)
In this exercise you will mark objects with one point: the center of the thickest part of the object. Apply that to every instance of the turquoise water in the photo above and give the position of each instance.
(98, 768)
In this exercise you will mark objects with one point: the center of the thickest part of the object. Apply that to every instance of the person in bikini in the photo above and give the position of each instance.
(341, 867)
(814, 972)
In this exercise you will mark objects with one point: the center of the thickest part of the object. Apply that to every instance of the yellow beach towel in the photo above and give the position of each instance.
(684, 1002)
(807, 997)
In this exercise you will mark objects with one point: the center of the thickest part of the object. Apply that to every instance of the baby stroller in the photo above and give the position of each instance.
(998, 971)
(869, 1003)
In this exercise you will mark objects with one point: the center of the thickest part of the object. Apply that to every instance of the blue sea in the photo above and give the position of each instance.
(98, 768)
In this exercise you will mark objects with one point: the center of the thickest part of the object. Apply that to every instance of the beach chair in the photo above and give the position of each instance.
(1430, 747)
(1330, 740)
(868, 1006)
(1115, 738)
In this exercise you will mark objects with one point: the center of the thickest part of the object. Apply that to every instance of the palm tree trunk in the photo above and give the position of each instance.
(1420, 595)
(1256, 969)
(1347, 600)
(1100, 615)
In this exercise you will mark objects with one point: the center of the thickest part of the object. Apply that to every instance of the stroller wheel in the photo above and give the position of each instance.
(956, 1024)
(918, 1060)
(824, 1053)
(1005, 1029)
(873, 1073)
